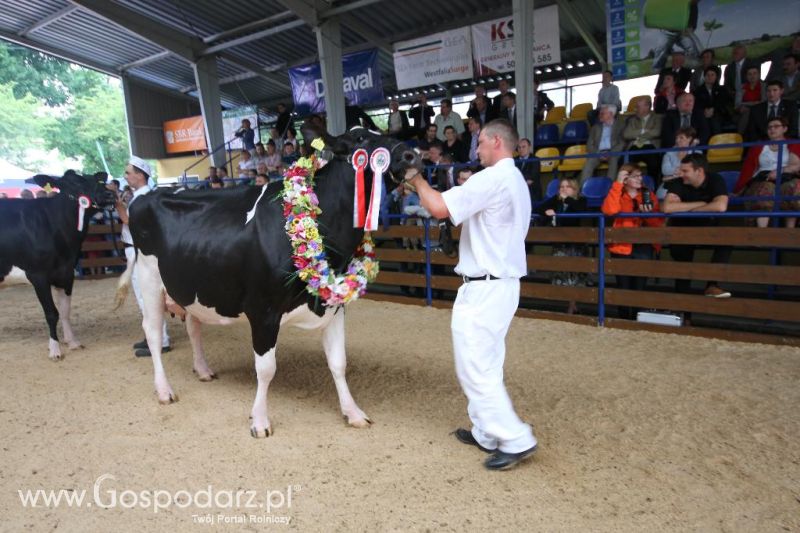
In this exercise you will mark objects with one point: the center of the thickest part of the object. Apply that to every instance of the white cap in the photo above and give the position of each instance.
(141, 164)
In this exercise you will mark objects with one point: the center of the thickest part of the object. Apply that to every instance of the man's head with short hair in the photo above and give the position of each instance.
(450, 133)
(710, 75)
(463, 175)
(678, 58)
(431, 131)
(606, 113)
(790, 64)
(446, 105)
(245, 123)
(261, 180)
(608, 77)
(753, 74)
(774, 91)
(222, 172)
(474, 125)
(435, 152)
(693, 169)
(497, 140)
(708, 55)
(524, 147)
(481, 103)
(509, 100)
(739, 52)
(688, 135)
(503, 86)
(480, 90)
(685, 103)
(114, 184)
(643, 106)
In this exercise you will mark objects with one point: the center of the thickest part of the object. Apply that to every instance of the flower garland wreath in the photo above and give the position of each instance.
(301, 209)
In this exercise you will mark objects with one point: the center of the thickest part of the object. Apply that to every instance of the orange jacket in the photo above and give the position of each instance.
(618, 201)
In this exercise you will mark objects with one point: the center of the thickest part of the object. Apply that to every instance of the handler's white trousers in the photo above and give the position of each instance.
(481, 317)
(129, 254)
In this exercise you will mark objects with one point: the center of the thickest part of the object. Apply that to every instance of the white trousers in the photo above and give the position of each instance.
(481, 317)
(129, 254)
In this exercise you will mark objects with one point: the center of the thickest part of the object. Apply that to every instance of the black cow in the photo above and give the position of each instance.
(196, 246)
(40, 241)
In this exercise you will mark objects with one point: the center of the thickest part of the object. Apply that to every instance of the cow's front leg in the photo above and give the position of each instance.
(199, 365)
(333, 343)
(149, 281)
(42, 287)
(265, 337)
(63, 302)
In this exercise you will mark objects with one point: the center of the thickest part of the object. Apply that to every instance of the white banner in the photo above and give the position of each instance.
(433, 59)
(493, 42)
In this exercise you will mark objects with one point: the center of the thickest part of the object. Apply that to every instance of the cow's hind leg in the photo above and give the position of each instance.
(265, 336)
(149, 281)
(333, 343)
(199, 365)
(63, 301)
(42, 287)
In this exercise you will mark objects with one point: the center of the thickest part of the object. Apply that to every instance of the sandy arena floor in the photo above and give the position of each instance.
(638, 431)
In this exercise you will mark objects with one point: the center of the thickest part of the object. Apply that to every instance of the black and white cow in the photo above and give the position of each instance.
(194, 248)
(40, 241)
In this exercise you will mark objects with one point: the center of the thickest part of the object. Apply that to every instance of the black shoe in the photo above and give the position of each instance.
(145, 352)
(465, 436)
(140, 345)
(503, 461)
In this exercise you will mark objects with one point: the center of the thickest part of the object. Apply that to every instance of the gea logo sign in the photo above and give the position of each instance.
(503, 30)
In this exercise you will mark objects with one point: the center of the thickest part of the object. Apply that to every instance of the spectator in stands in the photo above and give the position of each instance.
(429, 138)
(708, 59)
(284, 122)
(753, 92)
(260, 180)
(291, 138)
(245, 164)
(434, 154)
(222, 174)
(541, 103)
(605, 136)
(482, 110)
(714, 101)
(566, 201)
(247, 135)
(356, 117)
(671, 164)
(643, 132)
(397, 121)
(480, 92)
(277, 139)
(464, 174)
(629, 195)
(609, 93)
(454, 147)
(26, 194)
(261, 154)
(252, 174)
(666, 97)
(504, 87)
(510, 108)
(289, 155)
(530, 168)
(212, 173)
(470, 137)
(421, 114)
(216, 183)
(791, 77)
(736, 72)
(686, 115)
(41, 193)
(113, 186)
(759, 173)
(273, 160)
(680, 74)
(776, 58)
(448, 117)
(775, 106)
(697, 191)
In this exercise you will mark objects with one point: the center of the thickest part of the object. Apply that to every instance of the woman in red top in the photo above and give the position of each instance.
(753, 92)
(628, 195)
(667, 97)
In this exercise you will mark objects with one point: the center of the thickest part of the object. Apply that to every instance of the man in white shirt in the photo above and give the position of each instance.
(137, 173)
(448, 117)
(494, 209)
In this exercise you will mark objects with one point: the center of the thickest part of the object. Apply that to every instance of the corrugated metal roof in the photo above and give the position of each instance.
(88, 38)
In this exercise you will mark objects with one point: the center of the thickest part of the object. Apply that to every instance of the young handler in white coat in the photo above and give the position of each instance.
(494, 209)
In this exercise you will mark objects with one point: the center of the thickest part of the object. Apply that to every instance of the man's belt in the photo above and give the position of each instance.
(487, 277)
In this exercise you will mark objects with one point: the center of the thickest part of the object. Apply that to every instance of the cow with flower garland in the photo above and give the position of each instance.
(289, 253)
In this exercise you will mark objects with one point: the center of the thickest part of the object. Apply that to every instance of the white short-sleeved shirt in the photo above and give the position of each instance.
(125, 235)
(494, 209)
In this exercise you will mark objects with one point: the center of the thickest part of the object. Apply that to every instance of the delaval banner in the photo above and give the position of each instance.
(362, 82)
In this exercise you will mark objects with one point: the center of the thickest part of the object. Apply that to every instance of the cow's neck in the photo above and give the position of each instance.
(67, 217)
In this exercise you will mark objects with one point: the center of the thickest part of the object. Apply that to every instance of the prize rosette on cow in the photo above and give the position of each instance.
(301, 209)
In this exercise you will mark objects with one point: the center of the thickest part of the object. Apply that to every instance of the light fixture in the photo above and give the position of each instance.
(548, 69)
(590, 62)
(558, 68)
(569, 66)
(473, 83)
(538, 72)
(579, 64)
(508, 76)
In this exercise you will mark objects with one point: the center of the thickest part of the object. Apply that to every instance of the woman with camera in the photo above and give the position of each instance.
(628, 195)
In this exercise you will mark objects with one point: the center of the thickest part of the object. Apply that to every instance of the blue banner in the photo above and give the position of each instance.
(362, 83)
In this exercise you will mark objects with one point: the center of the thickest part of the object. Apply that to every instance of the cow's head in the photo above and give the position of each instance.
(74, 186)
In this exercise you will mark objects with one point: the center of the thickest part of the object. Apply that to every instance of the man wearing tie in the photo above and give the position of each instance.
(736, 72)
(775, 106)
(471, 137)
(680, 74)
(685, 115)
(510, 108)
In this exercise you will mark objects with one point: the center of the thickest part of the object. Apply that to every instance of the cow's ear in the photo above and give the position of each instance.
(42, 180)
(101, 176)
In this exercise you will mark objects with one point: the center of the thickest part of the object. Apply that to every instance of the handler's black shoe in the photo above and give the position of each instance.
(145, 352)
(465, 436)
(140, 345)
(503, 461)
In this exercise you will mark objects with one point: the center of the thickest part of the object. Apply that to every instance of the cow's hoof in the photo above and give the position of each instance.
(358, 422)
(260, 433)
(56, 357)
(205, 376)
(168, 398)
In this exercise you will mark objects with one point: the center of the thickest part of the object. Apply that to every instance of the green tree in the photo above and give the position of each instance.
(21, 124)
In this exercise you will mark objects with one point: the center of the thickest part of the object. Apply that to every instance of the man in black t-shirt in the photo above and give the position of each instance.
(697, 190)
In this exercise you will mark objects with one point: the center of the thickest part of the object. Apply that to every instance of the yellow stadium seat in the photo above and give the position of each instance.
(580, 112)
(632, 103)
(569, 165)
(555, 115)
(550, 165)
(725, 155)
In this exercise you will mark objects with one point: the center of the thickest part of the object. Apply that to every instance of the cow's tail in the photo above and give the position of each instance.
(124, 283)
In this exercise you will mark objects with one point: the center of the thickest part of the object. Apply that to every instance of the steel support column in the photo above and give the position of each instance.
(329, 45)
(523, 56)
(207, 79)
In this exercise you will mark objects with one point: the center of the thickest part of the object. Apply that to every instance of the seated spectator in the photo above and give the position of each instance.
(222, 174)
(666, 97)
(775, 106)
(530, 168)
(777, 56)
(791, 77)
(261, 154)
(397, 121)
(480, 92)
(453, 146)
(261, 168)
(697, 191)
(260, 180)
(680, 74)
(628, 195)
(643, 132)
(482, 110)
(671, 164)
(212, 173)
(41, 193)
(245, 164)
(276, 139)
(541, 103)
(247, 135)
(26, 194)
(504, 87)
(291, 138)
(686, 115)
(759, 173)
(470, 137)
(252, 174)
(714, 101)
(753, 92)
(605, 136)
(566, 201)
(429, 138)
(216, 183)
(464, 174)
(447, 117)
(273, 160)
(289, 155)
(736, 71)
(708, 60)
(421, 114)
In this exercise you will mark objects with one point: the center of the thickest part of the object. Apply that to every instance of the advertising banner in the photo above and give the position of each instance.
(643, 33)
(437, 58)
(185, 135)
(362, 82)
(493, 42)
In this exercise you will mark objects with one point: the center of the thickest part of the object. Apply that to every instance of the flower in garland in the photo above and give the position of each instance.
(301, 209)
